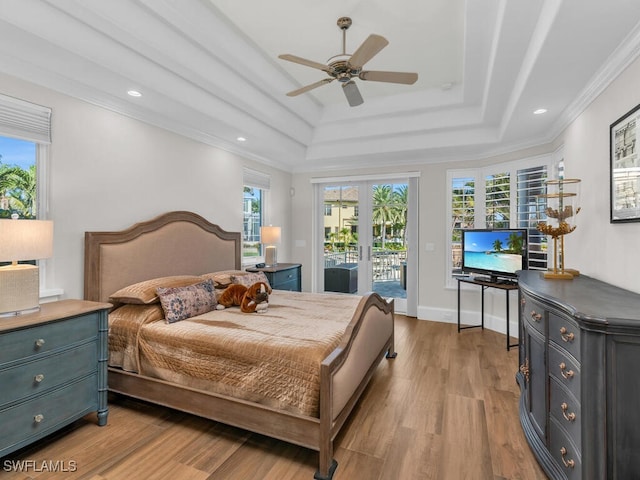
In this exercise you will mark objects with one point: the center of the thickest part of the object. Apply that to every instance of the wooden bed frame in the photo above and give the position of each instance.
(178, 243)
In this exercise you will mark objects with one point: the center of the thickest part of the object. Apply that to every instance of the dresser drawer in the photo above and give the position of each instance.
(565, 333)
(19, 344)
(44, 373)
(286, 279)
(565, 369)
(31, 420)
(564, 452)
(291, 285)
(566, 410)
(533, 313)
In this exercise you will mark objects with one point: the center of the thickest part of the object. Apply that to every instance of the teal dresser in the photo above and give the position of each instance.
(53, 370)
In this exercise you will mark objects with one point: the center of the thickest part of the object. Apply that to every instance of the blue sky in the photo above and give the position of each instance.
(17, 152)
(483, 241)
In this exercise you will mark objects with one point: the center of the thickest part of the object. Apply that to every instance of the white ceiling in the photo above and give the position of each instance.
(208, 69)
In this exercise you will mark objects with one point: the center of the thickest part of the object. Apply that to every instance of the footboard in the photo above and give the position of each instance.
(345, 373)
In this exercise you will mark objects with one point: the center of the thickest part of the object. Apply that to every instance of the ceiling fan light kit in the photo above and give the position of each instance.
(345, 67)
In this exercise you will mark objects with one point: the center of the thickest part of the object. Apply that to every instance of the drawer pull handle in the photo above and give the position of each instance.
(566, 336)
(38, 418)
(40, 342)
(569, 417)
(563, 371)
(524, 369)
(38, 378)
(567, 463)
(536, 317)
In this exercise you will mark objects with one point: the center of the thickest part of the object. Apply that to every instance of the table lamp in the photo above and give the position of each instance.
(270, 236)
(20, 283)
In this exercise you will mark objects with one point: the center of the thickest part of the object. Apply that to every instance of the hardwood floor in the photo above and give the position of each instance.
(445, 408)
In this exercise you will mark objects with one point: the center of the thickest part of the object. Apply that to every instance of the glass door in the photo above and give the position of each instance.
(365, 239)
(341, 205)
(389, 208)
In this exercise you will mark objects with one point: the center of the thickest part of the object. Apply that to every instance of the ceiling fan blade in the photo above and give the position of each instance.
(352, 93)
(390, 77)
(369, 48)
(304, 61)
(309, 87)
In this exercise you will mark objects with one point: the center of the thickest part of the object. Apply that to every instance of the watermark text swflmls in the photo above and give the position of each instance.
(61, 466)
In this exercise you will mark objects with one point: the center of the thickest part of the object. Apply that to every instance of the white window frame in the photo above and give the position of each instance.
(261, 181)
(31, 122)
(479, 175)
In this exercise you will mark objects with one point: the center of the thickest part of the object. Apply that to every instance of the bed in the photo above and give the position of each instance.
(184, 243)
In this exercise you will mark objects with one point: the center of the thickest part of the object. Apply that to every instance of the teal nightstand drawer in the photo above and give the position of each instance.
(19, 344)
(31, 420)
(43, 374)
(285, 277)
(53, 370)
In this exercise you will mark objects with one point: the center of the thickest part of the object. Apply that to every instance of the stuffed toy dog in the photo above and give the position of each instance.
(250, 299)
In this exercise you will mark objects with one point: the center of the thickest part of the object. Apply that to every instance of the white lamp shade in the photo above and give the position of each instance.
(25, 239)
(270, 235)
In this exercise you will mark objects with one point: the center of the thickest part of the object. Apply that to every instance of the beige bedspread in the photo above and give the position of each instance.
(271, 358)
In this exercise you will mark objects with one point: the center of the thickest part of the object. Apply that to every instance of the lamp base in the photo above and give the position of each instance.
(271, 256)
(19, 290)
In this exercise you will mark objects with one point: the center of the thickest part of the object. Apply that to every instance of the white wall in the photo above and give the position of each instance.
(108, 171)
(596, 248)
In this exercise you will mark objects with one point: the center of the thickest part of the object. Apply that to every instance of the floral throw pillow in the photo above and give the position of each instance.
(179, 303)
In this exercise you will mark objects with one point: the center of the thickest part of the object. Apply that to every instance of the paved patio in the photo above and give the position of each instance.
(389, 289)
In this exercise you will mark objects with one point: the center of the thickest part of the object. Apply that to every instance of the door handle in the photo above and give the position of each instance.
(369, 253)
(360, 255)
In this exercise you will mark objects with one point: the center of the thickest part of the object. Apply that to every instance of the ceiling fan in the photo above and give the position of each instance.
(344, 67)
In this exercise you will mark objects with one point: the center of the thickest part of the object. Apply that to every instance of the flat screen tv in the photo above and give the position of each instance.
(496, 253)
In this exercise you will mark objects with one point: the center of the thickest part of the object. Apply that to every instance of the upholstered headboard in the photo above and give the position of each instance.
(175, 243)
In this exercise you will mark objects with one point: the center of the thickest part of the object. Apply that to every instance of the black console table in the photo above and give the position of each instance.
(484, 284)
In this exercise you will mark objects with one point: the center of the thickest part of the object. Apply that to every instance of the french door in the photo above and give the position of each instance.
(364, 239)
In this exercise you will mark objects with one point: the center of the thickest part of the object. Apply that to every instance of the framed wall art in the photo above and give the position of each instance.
(625, 167)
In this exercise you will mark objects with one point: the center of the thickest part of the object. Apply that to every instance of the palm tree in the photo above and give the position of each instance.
(18, 189)
(514, 242)
(345, 234)
(463, 206)
(383, 211)
(401, 201)
(497, 246)
(497, 200)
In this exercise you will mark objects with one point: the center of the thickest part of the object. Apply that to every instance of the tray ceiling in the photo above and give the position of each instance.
(208, 69)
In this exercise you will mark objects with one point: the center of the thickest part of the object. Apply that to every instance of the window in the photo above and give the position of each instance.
(24, 134)
(18, 186)
(530, 185)
(497, 200)
(256, 185)
(503, 196)
(252, 221)
(462, 215)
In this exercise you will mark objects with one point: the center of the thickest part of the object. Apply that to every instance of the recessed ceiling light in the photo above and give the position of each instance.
(241, 139)
(540, 111)
(134, 93)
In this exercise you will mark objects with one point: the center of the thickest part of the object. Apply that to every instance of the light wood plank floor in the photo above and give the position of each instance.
(445, 408)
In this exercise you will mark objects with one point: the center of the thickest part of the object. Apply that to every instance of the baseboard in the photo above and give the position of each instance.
(470, 317)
